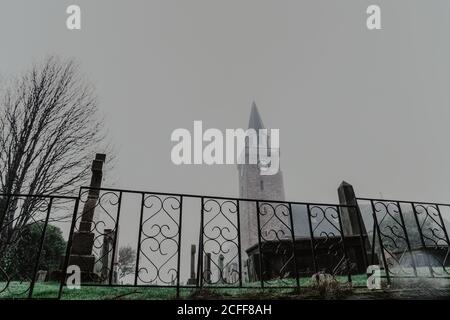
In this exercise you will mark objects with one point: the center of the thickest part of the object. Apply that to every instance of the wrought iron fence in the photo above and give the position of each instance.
(242, 243)
(95, 237)
(409, 238)
(30, 245)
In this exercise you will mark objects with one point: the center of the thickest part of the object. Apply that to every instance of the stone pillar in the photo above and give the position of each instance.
(96, 182)
(207, 268)
(192, 279)
(353, 224)
(349, 216)
(83, 239)
(220, 271)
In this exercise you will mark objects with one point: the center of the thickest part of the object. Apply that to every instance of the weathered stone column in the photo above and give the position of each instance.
(353, 224)
(96, 182)
(207, 268)
(83, 239)
(193, 261)
(220, 271)
(192, 279)
(350, 216)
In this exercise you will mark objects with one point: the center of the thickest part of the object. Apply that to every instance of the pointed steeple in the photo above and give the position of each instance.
(255, 121)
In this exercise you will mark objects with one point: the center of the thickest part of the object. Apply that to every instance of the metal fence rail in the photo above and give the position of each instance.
(411, 237)
(277, 257)
(24, 223)
(242, 243)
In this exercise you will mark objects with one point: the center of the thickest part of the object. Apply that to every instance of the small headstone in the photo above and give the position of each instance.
(322, 279)
(41, 276)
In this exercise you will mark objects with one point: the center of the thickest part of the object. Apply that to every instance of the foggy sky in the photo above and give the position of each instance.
(369, 107)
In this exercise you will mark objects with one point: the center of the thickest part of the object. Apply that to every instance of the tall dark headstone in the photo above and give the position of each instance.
(350, 215)
(353, 223)
(83, 239)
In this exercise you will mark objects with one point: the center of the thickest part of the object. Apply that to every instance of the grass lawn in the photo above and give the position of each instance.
(285, 289)
(49, 290)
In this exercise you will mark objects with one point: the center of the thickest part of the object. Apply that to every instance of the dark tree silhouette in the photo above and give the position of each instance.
(126, 261)
(20, 258)
(48, 130)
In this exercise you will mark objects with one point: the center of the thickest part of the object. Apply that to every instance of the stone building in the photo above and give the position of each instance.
(277, 231)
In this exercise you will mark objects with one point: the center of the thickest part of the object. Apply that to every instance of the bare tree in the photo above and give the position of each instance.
(48, 130)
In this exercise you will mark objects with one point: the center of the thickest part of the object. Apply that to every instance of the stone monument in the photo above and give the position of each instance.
(83, 239)
(207, 268)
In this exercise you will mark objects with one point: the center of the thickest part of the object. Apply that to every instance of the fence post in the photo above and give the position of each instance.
(180, 221)
(106, 248)
(200, 247)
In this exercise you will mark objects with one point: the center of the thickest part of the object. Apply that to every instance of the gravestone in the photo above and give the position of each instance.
(41, 276)
(220, 275)
(83, 239)
(207, 268)
(352, 220)
(192, 279)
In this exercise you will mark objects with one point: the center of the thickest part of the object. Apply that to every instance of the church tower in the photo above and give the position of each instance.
(254, 185)
(251, 183)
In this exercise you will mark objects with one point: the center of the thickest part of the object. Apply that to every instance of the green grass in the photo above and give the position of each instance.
(49, 290)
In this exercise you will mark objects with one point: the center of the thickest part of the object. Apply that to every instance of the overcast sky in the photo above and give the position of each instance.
(370, 107)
